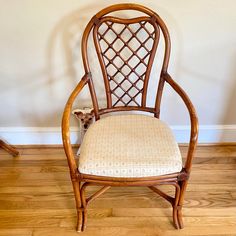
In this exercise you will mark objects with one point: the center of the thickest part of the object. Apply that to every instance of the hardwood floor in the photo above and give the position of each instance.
(36, 198)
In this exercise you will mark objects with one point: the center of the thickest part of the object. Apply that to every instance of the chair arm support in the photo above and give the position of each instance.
(66, 125)
(193, 120)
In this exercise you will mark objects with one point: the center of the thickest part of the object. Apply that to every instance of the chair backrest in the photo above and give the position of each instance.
(126, 49)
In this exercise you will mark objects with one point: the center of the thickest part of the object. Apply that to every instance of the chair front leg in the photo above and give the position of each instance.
(175, 202)
(175, 205)
(78, 201)
(183, 185)
(84, 205)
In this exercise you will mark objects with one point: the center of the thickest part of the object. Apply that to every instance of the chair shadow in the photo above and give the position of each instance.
(68, 33)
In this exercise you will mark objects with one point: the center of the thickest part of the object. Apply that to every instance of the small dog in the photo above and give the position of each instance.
(85, 116)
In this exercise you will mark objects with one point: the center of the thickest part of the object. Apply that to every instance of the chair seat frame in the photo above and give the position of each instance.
(81, 181)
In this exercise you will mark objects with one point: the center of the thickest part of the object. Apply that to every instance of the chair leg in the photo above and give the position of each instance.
(175, 217)
(176, 207)
(180, 217)
(84, 205)
(183, 185)
(79, 208)
(79, 227)
(176, 202)
(9, 148)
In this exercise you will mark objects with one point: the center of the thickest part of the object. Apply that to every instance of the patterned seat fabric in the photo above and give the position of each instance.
(129, 146)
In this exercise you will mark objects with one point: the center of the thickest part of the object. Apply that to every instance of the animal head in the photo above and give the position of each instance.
(85, 117)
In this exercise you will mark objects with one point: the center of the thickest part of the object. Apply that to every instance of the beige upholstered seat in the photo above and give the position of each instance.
(129, 146)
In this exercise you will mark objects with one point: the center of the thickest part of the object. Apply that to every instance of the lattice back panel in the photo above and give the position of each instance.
(126, 52)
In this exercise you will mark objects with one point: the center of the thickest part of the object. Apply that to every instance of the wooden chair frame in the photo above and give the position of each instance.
(81, 181)
(9, 148)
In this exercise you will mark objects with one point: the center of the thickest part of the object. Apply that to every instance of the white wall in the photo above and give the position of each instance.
(40, 64)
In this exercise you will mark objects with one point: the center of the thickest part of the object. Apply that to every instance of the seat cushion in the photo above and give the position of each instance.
(129, 146)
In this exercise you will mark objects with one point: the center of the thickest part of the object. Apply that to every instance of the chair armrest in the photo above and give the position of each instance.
(193, 120)
(66, 126)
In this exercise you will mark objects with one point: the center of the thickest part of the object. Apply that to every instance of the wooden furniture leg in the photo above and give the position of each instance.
(10, 149)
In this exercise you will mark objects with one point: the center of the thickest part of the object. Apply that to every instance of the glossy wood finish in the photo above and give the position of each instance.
(37, 199)
(178, 180)
(9, 148)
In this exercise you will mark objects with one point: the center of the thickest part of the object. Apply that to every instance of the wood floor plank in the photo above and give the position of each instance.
(67, 188)
(16, 232)
(115, 199)
(144, 231)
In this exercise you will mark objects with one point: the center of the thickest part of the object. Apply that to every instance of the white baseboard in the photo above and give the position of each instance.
(207, 133)
(36, 135)
(52, 135)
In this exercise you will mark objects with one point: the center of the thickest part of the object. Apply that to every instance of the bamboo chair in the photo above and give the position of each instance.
(134, 149)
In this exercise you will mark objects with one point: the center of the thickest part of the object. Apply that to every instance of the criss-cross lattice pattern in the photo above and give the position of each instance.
(126, 49)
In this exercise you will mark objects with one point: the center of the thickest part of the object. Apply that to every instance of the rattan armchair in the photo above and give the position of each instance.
(131, 149)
